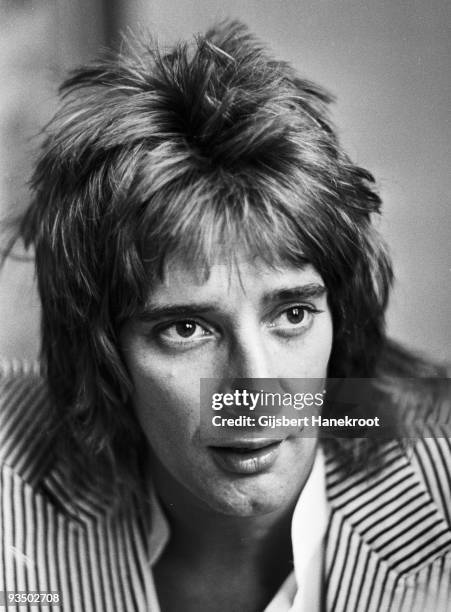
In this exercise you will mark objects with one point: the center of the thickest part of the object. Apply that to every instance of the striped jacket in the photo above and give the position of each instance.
(388, 547)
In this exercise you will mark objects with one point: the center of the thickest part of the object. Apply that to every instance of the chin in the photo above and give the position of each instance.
(248, 499)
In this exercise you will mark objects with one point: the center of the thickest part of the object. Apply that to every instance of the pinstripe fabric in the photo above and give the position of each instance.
(388, 546)
(389, 539)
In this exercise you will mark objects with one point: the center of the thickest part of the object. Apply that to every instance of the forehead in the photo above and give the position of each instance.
(225, 279)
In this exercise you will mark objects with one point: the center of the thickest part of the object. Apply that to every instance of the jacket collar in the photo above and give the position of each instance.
(389, 508)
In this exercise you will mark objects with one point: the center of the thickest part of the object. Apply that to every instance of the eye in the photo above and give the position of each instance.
(295, 315)
(182, 332)
(294, 320)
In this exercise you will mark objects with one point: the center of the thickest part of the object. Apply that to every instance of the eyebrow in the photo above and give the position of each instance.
(303, 292)
(152, 312)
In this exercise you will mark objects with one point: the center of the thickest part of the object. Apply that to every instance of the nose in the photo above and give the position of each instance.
(252, 368)
(249, 357)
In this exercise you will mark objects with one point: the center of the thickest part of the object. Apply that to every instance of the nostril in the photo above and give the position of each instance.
(252, 394)
(246, 384)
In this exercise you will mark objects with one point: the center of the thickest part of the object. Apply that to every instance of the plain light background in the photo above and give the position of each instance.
(388, 64)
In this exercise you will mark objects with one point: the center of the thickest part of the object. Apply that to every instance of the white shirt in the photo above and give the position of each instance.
(301, 591)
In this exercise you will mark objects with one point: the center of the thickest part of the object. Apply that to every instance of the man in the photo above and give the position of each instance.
(194, 217)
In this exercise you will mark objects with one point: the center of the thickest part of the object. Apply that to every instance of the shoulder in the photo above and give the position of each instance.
(25, 440)
(36, 460)
(419, 391)
(430, 455)
(416, 394)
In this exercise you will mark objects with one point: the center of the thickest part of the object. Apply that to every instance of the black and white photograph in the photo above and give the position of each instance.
(225, 337)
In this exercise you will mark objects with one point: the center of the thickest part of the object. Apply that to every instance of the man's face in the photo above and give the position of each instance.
(245, 321)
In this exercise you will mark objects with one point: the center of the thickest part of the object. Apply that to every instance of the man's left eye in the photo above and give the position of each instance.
(295, 315)
(293, 318)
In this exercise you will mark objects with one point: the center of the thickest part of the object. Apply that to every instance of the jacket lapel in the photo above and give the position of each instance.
(99, 552)
(384, 527)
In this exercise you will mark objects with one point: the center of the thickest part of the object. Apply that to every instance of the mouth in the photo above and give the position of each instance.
(247, 457)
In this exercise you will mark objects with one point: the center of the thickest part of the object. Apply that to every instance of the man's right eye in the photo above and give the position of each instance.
(182, 332)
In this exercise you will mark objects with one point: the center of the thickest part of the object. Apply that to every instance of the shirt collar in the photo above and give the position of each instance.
(159, 528)
(310, 517)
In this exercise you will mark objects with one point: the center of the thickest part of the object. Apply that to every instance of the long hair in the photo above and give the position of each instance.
(158, 155)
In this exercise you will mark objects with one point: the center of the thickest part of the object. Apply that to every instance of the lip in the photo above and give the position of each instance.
(246, 457)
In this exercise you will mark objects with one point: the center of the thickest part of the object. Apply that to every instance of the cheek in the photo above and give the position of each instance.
(323, 341)
(322, 347)
(166, 404)
(310, 357)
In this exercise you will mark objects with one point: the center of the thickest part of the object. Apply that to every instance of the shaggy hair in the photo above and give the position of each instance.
(167, 155)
